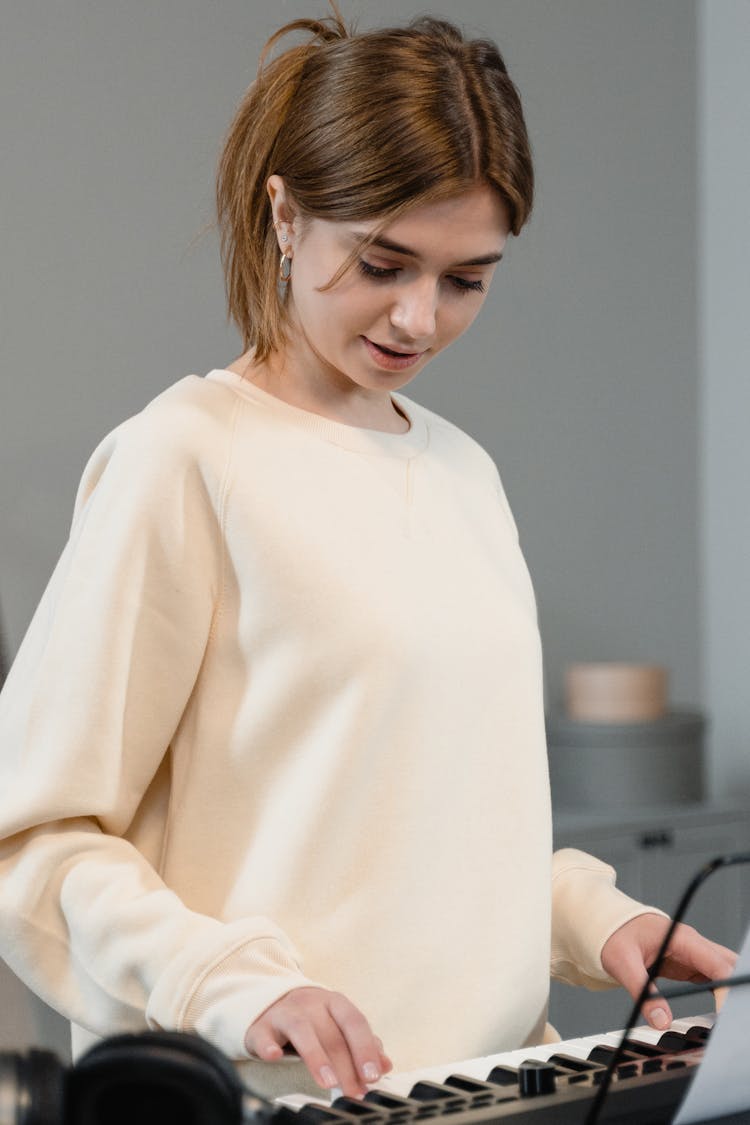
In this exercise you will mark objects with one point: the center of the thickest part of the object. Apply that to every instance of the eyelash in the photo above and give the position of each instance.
(377, 273)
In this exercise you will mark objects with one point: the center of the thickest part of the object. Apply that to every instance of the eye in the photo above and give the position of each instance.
(382, 273)
(463, 285)
(377, 272)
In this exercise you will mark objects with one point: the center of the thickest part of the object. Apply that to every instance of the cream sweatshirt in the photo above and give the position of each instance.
(278, 721)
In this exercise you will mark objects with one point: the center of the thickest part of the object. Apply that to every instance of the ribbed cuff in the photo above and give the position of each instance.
(587, 908)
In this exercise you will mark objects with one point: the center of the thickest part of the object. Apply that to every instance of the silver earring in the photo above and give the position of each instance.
(285, 238)
(285, 268)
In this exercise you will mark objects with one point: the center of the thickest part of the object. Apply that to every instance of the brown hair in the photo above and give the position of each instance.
(361, 126)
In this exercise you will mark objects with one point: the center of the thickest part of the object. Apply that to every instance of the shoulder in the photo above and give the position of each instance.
(449, 441)
(181, 439)
(192, 419)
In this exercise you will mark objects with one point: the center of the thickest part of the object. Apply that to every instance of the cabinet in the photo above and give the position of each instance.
(656, 852)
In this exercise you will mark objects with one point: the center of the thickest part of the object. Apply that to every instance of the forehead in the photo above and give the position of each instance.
(460, 228)
(475, 219)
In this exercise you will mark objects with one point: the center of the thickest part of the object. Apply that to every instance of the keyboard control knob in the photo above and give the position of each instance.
(536, 1078)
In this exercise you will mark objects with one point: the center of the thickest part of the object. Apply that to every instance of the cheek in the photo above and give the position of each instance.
(343, 300)
(460, 315)
(353, 308)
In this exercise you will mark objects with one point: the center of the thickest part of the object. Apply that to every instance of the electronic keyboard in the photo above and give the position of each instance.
(553, 1084)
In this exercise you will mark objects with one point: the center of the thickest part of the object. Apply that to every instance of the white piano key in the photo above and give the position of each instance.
(401, 1082)
(650, 1035)
(297, 1101)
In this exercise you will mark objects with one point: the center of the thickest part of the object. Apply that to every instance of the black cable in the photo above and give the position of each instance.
(649, 988)
(672, 992)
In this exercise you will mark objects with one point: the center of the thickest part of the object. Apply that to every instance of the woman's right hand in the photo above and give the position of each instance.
(331, 1036)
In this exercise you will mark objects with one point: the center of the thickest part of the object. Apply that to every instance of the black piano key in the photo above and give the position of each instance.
(398, 1108)
(697, 1032)
(417, 1109)
(469, 1085)
(672, 1041)
(448, 1099)
(481, 1093)
(503, 1076)
(604, 1054)
(285, 1115)
(645, 1050)
(365, 1114)
(627, 1070)
(322, 1115)
(573, 1063)
(651, 1066)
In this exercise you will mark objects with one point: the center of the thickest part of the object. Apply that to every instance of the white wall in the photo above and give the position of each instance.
(725, 406)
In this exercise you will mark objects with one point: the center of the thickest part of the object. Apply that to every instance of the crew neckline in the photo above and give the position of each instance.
(355, 438)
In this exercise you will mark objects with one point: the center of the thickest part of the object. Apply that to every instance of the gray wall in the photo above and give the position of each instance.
(581, 377)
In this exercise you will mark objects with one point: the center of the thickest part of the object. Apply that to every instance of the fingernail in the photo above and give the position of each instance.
(659, 1019)
(370, 1072)
(327, 1077)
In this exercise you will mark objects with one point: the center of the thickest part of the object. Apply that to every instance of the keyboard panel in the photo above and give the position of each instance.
(552, 1084)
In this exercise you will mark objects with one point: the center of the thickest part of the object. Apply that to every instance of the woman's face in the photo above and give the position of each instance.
(410, 294)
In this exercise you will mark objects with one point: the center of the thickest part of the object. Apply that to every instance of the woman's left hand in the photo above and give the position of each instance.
(631, 950)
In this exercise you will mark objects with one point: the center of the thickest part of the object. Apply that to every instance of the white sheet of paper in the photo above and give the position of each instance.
(722, 1084)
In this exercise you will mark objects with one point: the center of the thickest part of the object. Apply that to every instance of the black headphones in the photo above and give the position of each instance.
(149, 1078)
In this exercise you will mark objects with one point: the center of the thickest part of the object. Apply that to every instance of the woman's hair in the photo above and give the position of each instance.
(361, 126)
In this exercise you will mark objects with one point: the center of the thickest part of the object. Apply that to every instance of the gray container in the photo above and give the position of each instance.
(622, 765)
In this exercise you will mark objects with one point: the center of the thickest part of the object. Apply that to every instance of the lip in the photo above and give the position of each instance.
(391, 362)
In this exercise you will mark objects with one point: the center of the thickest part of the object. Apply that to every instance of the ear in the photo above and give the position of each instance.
(285, 214)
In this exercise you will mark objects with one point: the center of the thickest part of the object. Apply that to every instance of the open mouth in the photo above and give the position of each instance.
(391, 351)
(389, 358)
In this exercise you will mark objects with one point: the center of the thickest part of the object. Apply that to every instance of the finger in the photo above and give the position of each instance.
(386, 1063)
(365, 1049)
(632, 975)
(261, 1040)
(693, 956)
(352, 1082)
(323, 1049)
(657, 1012)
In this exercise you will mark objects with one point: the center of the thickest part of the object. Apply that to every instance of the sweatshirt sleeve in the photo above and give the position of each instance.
(587, 908)
(87, 715)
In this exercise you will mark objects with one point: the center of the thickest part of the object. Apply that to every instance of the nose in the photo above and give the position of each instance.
(414, 311)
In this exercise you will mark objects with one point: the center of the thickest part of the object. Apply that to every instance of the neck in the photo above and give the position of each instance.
(320, 389)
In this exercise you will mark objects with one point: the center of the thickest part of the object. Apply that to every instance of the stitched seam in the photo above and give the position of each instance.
(212, 966)
(221, 512)
(581, 867)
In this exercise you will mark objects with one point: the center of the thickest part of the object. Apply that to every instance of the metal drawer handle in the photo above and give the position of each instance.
(661, 838)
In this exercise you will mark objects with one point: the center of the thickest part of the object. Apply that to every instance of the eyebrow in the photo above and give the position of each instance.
(397, 248)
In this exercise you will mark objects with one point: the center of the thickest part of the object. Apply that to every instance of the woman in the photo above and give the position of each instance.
(274, 744)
